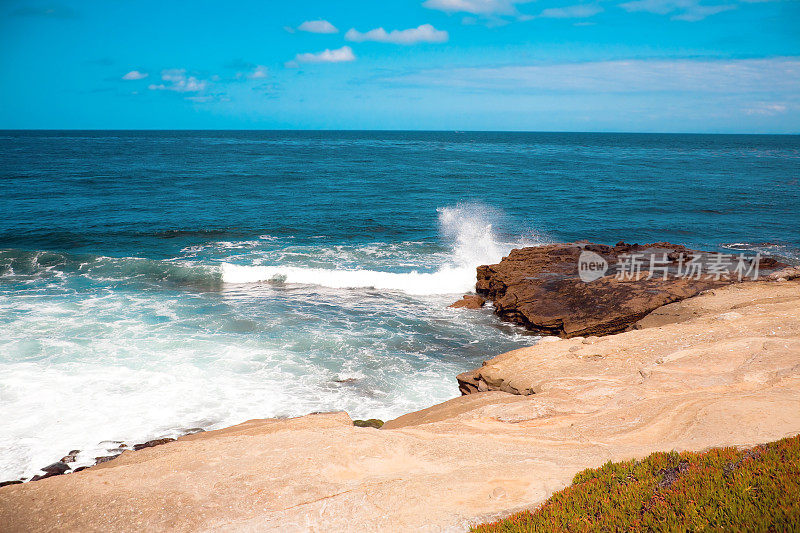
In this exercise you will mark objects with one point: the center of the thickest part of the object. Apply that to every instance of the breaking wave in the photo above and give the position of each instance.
(469, 231)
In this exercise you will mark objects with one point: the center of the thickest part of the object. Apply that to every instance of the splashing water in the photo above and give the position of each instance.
(127, 349)
(470, 229)
(466, 228)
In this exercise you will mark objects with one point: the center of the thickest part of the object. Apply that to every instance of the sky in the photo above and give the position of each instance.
(705, 66)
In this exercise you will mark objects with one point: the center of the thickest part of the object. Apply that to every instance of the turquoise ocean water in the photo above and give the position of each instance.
(155, 282)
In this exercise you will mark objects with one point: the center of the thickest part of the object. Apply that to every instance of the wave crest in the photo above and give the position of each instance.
(467, 228)
(446, 280)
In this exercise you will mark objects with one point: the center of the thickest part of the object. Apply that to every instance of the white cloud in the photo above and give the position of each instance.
(700, 12)
(767, 109)
(476, 7)
(425, 33)
(576, 11)
(259, 73)
(339, 55)
(177, 80)
(135, 75)
(737, 76)
(317, 26)
(659, 7)
(249, 71)
(687, 10)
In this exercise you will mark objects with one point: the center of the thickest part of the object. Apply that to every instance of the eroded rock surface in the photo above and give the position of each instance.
(541, 288)
(470, 301)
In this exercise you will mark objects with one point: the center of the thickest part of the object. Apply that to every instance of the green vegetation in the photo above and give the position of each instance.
(725, 489)
(371, 423)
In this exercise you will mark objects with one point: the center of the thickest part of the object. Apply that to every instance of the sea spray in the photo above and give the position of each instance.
(469, 229)
(466, 229)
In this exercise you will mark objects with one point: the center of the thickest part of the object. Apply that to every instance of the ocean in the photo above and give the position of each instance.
(157, 282)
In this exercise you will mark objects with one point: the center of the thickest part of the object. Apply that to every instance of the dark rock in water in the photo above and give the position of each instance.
(584, 289)
(371, 423)
(68, 458)
(6, 483)
(770, 263)
(56, 468)
(152, 443)
(345, 380)
(104, 459)
(43, 476)
(469, 301)
(80, 468)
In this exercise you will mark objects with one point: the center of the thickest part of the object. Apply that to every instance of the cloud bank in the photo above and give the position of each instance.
(317, 26)
(260, 72)
(340, 55)
(686, 10)
(425, 33)
(576, 11)
(176, 80)
(476, 7)
(756, 76)
(135, 75)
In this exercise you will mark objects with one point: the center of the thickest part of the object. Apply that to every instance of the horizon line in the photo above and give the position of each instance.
(348, 130)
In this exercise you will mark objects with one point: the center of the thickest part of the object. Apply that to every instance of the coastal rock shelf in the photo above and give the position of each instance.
(600, 366)
(720, 369)
(541, 287)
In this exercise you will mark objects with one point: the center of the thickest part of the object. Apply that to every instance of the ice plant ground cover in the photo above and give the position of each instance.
(723, 489)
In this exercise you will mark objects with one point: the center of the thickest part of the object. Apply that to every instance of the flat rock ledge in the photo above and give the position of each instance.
(722, 319)
(583, 289)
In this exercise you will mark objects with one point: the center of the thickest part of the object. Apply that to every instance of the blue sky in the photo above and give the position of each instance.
(605, 65)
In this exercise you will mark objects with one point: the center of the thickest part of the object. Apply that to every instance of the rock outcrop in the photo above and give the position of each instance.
(584, 289)
(785, 274)
(470, 301)
(730, 319)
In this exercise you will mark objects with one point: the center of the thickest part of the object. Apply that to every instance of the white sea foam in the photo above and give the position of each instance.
(785, 252)
(84, 363)
(468, 230)
(447, 280)
(128, 368)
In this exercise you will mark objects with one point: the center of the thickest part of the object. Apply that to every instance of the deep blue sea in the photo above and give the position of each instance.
(155, 282)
